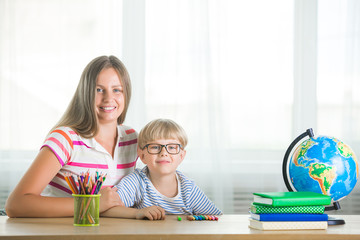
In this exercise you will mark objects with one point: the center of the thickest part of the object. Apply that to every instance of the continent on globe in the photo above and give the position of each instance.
(325, 175)
(325, 165)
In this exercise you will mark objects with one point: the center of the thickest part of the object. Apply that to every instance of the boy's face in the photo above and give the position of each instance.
(162, 163)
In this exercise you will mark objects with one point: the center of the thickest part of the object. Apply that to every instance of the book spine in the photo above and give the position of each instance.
(287, 225)
(299, 202)
(290, 217)
(296, 209)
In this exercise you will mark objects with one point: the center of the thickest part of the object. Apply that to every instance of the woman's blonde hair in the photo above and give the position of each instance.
(80, 114)
(162, 129)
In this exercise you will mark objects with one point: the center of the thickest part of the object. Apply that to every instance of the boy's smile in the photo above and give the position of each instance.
(163, 161)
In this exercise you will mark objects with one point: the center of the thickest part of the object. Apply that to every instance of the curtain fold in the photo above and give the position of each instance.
(225, 70)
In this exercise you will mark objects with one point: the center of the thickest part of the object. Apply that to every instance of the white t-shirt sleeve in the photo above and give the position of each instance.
(201, 204)
(127, 189)
(60, 143)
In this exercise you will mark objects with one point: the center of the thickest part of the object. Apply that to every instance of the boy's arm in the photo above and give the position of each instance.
(127, 190)
(151, 213)
(201, 204)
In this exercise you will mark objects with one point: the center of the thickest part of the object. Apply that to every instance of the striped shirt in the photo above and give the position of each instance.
(78, 155)
(136, 190)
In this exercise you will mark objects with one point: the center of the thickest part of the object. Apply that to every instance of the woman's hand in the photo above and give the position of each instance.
(26, 199)
(151, 213)
(109, 198)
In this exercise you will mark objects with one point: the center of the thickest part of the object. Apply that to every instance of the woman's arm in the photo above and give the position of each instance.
(26, 201)
(151, 213)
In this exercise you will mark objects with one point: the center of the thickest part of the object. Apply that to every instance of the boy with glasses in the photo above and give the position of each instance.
(159, 188)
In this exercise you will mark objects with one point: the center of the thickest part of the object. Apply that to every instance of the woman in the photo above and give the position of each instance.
(89, 137)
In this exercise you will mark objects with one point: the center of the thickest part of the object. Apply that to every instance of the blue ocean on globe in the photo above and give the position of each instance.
(325, 165)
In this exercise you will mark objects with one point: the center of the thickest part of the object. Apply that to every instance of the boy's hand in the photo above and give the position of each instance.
(151, 213)
(109, 198)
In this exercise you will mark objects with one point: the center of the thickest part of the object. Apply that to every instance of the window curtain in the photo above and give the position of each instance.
(229, 84)
(44, 46)
(243, 78)
(338, 70)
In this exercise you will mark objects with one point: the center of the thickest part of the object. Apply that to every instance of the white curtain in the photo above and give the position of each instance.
(203, 62)
(44, 46)
(243, 78)
(339, 70)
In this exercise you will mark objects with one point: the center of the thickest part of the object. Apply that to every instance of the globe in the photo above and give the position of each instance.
(321, 164)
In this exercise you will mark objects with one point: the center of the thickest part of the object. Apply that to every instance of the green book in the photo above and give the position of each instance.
(281, 199)
(295, 209)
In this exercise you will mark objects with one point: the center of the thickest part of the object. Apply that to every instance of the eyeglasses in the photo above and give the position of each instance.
(171, 148)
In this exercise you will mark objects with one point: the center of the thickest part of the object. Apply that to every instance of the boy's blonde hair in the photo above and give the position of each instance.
(162, 129)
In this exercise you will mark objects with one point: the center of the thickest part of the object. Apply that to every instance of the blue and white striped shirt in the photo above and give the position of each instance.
(136, 190)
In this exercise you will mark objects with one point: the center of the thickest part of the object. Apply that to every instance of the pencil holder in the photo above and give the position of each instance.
(86, 209)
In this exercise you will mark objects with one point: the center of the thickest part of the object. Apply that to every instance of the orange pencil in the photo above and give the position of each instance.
(71, 188)
(72, 181)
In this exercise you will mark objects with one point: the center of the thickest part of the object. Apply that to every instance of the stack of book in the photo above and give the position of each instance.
(289, 211)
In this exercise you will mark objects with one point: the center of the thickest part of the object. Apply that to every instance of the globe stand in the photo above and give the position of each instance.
(332, 220)
(336, 205)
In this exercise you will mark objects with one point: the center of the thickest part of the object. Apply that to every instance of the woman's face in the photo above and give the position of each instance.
(109, 96)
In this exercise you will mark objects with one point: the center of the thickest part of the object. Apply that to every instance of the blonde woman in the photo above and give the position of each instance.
(89, 137)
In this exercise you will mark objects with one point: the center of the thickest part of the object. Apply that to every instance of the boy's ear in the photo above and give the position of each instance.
(140, 153)
(182, 155)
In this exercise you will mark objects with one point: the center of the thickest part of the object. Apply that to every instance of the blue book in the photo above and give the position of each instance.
(275, 217)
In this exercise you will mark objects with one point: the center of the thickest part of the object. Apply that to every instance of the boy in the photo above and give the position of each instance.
(159, 188)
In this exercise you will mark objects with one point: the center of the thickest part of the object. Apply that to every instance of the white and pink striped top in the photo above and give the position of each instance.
(78, 155)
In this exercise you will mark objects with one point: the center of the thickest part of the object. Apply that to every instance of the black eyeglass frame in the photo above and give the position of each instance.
(161, 147)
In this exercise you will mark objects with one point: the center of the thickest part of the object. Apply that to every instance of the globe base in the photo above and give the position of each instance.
(335, 206)
(335, 221)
